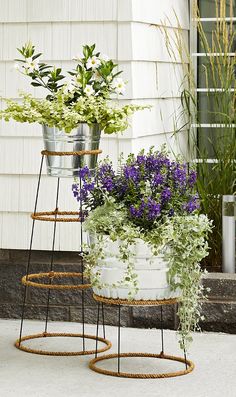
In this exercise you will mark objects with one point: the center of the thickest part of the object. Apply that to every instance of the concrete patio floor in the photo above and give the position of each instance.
(24, 374)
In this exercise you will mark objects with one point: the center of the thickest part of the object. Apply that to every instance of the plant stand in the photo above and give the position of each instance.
(189, 366)
(51, 280)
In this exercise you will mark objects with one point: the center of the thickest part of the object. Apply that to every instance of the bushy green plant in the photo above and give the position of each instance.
(83, 96)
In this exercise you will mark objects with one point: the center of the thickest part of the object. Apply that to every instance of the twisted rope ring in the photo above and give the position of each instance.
(20, 346)
(190, 364)
(134, 302)
(26, 280)
(45, 216)
(79, 153)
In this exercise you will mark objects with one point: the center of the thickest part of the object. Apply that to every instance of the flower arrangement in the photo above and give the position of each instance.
(152, 198)
(81, 96)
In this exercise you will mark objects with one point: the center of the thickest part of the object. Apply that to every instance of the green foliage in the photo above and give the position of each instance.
(182, 240)
(66, 116)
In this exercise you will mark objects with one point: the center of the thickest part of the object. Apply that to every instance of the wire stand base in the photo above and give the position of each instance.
(21, 346)
(162, 356)
(52, 280)
(189, 366)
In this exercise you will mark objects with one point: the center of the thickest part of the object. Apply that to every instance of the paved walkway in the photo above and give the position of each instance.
(27, 375)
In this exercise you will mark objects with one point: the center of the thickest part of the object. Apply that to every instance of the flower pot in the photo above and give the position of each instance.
(85, 137)
(152, 273)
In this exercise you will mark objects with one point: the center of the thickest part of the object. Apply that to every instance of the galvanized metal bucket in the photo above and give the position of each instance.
(85, 137)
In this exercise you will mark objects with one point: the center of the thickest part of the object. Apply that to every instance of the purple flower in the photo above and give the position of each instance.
(84, 173)
(88, 186)
(192, 205)
(152, 163)
(192, 178)
(105, 169)
(107, 183)
(141, 159)
(154, 209)
(158, 179)
(131, 173)
(137, 212)
(166, 195)
(75, 189)
(179, 174)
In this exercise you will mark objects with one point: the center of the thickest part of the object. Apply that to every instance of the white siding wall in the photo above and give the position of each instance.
(121, 28)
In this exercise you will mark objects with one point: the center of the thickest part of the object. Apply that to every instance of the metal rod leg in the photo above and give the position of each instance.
(82, 261)
(52, 255)
(162, 332)
(185, 358)
(30, 249)
(96, 351)
(103, 322)
(118, 339)
(83, 327)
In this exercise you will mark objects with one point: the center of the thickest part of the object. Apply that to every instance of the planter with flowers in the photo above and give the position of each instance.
(147, 237)
(77, 108)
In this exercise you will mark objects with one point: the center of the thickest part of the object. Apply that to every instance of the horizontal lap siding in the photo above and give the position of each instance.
(120, 28)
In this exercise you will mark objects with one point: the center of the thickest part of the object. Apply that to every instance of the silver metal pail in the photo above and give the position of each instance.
(84, 137)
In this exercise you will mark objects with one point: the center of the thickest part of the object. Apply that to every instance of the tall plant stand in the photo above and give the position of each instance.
(54, 280)
(188, 365)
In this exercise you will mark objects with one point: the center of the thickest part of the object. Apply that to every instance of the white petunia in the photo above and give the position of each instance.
(119, 86)
(93, 63)
(89, 90)
(31, 65)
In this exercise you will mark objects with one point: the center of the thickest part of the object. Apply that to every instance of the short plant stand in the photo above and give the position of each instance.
(57, 280)
(188, 365)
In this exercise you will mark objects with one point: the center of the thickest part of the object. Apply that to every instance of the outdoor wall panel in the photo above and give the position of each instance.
(103, 34)
(160, 118)
(158, 12)
(94, 10)
(48, 10)
(144, 80)
(13, 10)
(13, 129)
(149, 43)
(41, 35)
(61, 41)
(65, 10)
(12, 37)
(16, 231)
(171, 86)
(173, 143)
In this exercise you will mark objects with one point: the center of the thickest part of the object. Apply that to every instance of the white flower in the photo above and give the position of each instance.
(104, 57)
(77, 82)
(119, 86)
(89, 90)
(93, 63)
(17, 66)
(77, 57)
(31, 65)
(70, 86)
(96, 76)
